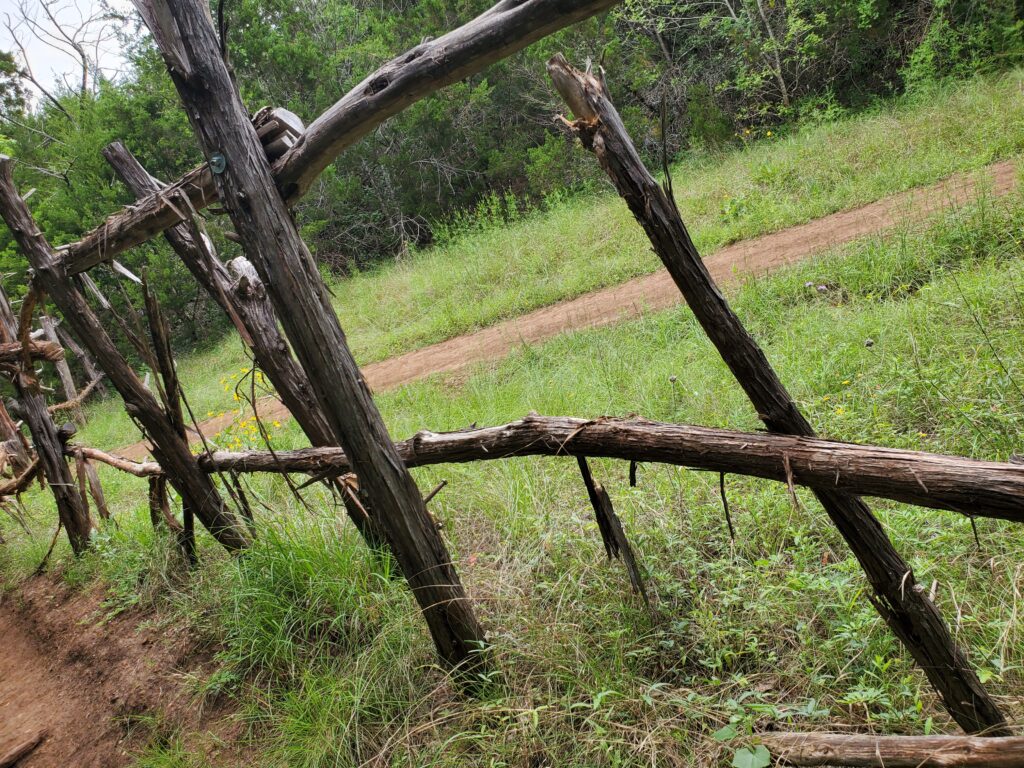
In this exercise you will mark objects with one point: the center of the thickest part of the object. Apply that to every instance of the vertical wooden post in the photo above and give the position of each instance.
(244, 299)
(84, 359)
(67, 381)
(898, 598)
(181, 467)
(185, 35)
(71, 509)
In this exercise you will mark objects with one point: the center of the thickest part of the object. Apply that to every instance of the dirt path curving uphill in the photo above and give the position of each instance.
(748, 258)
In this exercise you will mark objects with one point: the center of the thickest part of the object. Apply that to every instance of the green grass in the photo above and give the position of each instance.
(587, 242)
(330, 664)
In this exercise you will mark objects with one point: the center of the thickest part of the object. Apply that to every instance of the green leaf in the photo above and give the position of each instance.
(758, 758)
(726, 733)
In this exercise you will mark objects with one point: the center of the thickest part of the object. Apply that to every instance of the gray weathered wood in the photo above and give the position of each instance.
(504, 29)
(271, 241)
(92, 373)
(193, 484)
(67, 381)
(865, 751)
(71, 511)
(241, 294)
(899, 599)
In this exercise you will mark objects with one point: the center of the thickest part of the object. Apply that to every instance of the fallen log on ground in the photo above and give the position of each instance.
(864, 751)
(499, 32)
(969, 486)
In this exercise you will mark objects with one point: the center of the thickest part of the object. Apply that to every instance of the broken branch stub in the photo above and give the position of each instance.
(897, 597)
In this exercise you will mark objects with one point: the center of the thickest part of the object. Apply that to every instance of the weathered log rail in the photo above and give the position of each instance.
(969, 486)
(494, 35)
(866, 751)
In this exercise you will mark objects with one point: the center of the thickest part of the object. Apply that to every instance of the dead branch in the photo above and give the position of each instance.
(504, 29)
(865, 751)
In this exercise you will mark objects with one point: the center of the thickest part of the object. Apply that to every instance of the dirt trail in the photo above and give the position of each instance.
(95, 684)
(743, 260)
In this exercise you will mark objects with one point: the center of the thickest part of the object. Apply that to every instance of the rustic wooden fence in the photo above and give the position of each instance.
(256, 168)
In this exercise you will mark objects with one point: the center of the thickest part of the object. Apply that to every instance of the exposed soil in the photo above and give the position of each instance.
(96, 688)
(740, 261)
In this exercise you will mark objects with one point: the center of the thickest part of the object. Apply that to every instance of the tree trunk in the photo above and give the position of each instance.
(194, 485)
(70, 508)
(272, 242)
(897, 596)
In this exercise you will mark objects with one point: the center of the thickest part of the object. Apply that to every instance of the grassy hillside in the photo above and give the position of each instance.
(331, 666)
(589, 242)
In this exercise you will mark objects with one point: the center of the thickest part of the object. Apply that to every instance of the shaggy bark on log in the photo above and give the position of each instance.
(18, 752)
(978, 488)
(67, 381)
(241, 294)
(272, 242)
(13, 351)
(498, 33)
(194, 485)
(14, 445)
(81, 398)
(898, 598)
(864, 751)
(73, 514)
(171, 394)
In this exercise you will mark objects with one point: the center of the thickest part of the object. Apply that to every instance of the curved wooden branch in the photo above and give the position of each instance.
(504, 29)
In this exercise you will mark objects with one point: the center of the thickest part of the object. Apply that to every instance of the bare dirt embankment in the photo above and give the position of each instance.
(744, 260)
(91, 688)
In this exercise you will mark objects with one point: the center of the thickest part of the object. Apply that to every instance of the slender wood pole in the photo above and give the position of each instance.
(84, 359)
(866, 751)
(241, 294)
(897, 596)
(67, 381)
(271, 240)
(13, 441)
(71, 510)
(195, 486)
(499, 32)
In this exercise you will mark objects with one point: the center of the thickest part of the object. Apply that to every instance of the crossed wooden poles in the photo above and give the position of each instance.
(322, 384)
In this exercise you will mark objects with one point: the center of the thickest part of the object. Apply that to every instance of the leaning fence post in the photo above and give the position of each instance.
(73, 513)
(898, 598)
(237, 289)
(271, 240)
(169, 448)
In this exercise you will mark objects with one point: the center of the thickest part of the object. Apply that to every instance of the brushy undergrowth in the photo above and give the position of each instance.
(908, 340)
(579, 244)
